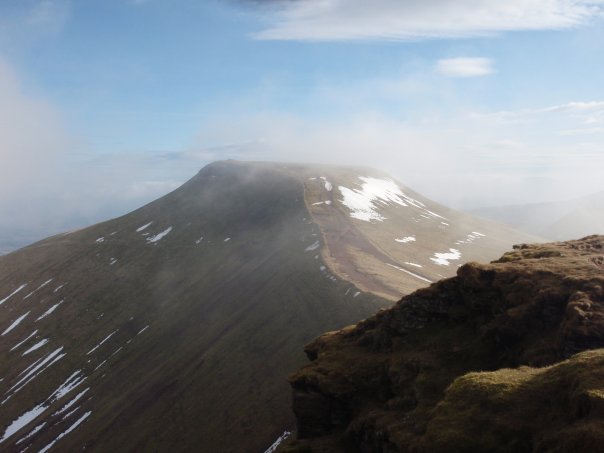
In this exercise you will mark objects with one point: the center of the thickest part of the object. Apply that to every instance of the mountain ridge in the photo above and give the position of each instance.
(192, 309)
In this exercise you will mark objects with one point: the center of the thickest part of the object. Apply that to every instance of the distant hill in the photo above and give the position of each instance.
(561, 220)
(173, 328)
(504, 357)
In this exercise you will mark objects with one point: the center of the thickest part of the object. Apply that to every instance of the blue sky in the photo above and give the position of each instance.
(107, 104)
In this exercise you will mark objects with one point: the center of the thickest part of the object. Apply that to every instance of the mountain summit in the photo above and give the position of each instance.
(173, 327)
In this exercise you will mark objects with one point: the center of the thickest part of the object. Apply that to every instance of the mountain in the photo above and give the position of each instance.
(173, 327)
(504, 357)
(560, 220)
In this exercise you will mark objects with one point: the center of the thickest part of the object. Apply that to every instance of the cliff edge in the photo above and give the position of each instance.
(490, 360)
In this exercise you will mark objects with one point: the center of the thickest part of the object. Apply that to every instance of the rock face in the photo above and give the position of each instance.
(484, 361)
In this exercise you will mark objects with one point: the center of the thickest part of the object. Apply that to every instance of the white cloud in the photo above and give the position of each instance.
(333, 20)
(460, 159)
(49, 184)
(582, 131)
(465, 67)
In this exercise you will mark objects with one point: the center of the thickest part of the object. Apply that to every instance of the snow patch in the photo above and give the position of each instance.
(49, 311)
(471, 237)
(443, 259)
(101, 343)
(21, 342)
(278, 442)
(328, 185)
(312, 247)
(15, 323)
(13, 293)
(38, 345)
(58, 287)
(159, 237)
(363, 203)
(71, 403)
(406, 239)
(70, 383)
(145, 226)
(227, 240)
(36, 368)
(410, 273)
(38, 288)
(100, 240)
(32, 433)
(23, 421)
(78, 422)
(142, 330)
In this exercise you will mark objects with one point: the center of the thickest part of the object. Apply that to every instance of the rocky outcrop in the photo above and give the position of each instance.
(466, 357)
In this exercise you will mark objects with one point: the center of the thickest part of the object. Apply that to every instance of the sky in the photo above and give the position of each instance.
(108, 104)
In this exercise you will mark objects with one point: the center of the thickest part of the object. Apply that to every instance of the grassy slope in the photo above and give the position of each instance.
(389, 384)
(555, 408)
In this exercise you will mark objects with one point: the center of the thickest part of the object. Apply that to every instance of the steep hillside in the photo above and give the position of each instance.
(172, 328)
(390, 240)
(455, 367)
(561, 220)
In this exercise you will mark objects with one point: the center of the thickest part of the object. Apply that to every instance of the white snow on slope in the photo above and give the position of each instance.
(227, 240)
(112, 261)
(38, 345)
(66, 432)
(364, 202)
(70, 383)
(410, 273)
(38, 288)
(159, 236)
(100, 240)
(278, 442)
(413, 264)
(312, 247)
(32, 414)
(101, 343)
(471, 237)
(147, 225)
(23, 421)
(15, 323)
(32, 433)
(59, 287)
(21, 342)
(13, 293)
(328, 185)
(443, 259)
(37, 369)
(406, 239)
(142, 330)
(49, 311)
(71, 403)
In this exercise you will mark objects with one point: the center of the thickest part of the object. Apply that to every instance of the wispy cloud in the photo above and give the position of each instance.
(465, 67)
(582, 131)
(336, 20)
(591, 112)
